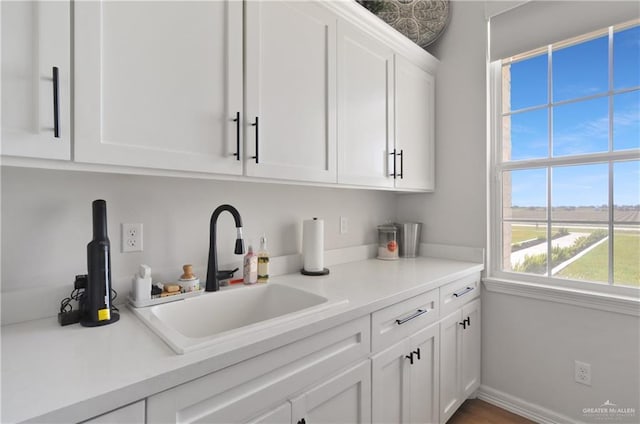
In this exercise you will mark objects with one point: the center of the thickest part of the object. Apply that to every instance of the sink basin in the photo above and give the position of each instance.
(223, 316)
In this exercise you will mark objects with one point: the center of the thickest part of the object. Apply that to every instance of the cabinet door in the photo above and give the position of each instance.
(450, 360)
(290, 91)
(35, 40)
(471, 358)
(345, 398)
(278, 415)
(414, 117)
(424, 405)
(365, 121)
(390, 384)
(158, 84)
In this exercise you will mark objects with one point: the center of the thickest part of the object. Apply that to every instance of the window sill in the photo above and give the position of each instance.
(627, 305)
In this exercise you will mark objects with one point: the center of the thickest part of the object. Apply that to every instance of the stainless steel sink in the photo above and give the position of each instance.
(201, 321)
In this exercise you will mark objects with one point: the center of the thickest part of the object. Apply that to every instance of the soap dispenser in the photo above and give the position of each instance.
(250, 269)
(263, 261)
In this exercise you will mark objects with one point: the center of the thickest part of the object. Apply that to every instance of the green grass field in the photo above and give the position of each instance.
(594, 265)
(520, 233)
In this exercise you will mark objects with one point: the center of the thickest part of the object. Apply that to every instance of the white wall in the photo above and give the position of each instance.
(46, 222)
(529, 346)
(455, 212)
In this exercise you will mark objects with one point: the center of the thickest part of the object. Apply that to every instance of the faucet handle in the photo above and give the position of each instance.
(188, 272)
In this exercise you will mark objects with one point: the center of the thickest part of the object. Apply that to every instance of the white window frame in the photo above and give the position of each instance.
(536, 283)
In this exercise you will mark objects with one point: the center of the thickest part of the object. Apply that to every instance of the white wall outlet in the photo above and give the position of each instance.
(344, 225)
(583, 373)
(131, 237)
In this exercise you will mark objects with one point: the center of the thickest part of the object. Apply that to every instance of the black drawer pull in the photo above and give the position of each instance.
(412, 316)
(417, 352)
(394, 163)
(256, 157)
(410, 358)
(462, 292)
(401, 154)
(56, 103)
(237, 121)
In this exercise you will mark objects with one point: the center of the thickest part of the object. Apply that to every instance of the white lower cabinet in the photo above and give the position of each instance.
(401, 364)
(130, 414)
(345, 398)
(274, 387)
(405, 380)
(459, 357)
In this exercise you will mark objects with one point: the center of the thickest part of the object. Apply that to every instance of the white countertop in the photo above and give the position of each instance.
(60, 374)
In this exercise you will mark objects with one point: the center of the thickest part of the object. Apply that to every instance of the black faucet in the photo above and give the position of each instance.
(213, 276)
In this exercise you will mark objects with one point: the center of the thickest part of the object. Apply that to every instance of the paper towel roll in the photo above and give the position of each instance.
(313, 245)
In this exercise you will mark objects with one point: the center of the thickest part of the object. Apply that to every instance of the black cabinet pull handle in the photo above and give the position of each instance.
(256, 157)
(412, 316)
(468, 321)
(410, 358)
(417, 352)
(302, 421)
(56, 103)
(462, 292)
(463, 324)
(237, 121)
(401, 163)
(394, 163)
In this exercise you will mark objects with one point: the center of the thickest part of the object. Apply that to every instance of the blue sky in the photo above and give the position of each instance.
(581, 127)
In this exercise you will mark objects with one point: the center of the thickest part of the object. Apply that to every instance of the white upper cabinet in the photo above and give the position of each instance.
(36, 65)
(159, 84)
(414, 117)
(290, 91)
(365, 105)
(302, 91)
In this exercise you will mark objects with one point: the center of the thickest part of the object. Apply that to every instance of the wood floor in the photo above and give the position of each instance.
(475, 411)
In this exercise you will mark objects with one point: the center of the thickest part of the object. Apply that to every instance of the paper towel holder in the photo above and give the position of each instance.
(325, 271)
(317, 268)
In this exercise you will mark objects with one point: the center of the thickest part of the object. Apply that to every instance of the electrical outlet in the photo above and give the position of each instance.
(131, 237)
(583, 373)
(344, 225)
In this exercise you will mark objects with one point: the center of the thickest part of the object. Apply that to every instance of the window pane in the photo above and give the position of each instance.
(626, 121)
(524, 83)
(581, 252)
(525, 194)
(580, 193)
(581, 127)
(626, 191)
(526, 135)
(626, 256)
(523, 243)
(581, 70)
(626, 58)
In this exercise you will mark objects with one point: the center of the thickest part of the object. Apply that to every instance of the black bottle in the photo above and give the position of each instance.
(96, 303)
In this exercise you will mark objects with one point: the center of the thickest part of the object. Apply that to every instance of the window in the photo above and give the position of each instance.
(566, 162)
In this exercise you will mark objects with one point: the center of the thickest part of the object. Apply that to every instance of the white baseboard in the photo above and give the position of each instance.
(521, 407)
